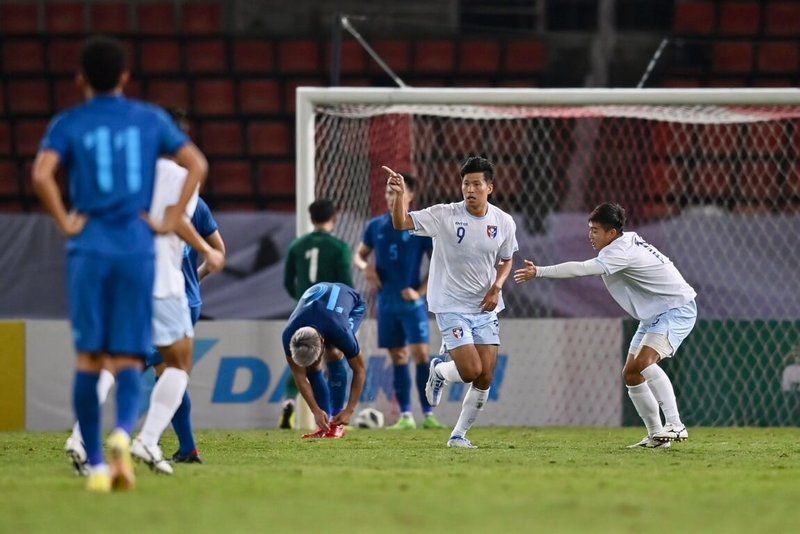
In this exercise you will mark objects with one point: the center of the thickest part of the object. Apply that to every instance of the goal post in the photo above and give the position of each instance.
(710, 176)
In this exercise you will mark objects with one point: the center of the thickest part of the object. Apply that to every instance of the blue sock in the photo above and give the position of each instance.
(320, 387)
(337, 381)
(129, 386)
(423, 370)
(402, 386)
(87, 411)
(182, 423)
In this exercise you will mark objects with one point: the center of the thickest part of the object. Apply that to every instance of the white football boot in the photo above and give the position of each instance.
(672, 432)
(151, 455)
(649, 443)
(77, 454)
(460, 442)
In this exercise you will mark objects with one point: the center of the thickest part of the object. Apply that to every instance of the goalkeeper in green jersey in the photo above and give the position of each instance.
(316, 257)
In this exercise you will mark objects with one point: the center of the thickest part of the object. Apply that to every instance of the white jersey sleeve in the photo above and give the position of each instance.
(428, 222)
(509, 245)
(613, 259)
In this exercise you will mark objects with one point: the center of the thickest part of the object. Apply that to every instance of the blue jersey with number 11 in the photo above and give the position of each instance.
(334, 310)
(110, 146)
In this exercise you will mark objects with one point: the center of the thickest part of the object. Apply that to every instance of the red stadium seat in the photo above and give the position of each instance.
(18, 18)
(29, 96)
(9, 184)
(694, 18)
(778, 57)
(64, 56)
(783, 19)
(202, 18)
(739, 18)
(437, 56)
(353, 59)
(221, 138)
(472, 82)
(68, 94)
(28, 135)
(207, 56)
(464, 137)
(269, 138)
(64, 17)
(767, 138)
(479, 57)
(712, 181)
(168, 93)
(259, 97)
(134, 89)
(718, 139)
(276, 179)
(231, 178)
(111, 18)
(160, 56)
(213, 97)
(760, 181)
(2, 100)
(733, 57)
(290, 90)
(253, 56)
(525, 57)
(662, 180)
(299, 56)
(156, 18)
(5, 138)
(23, 56)
(395, 53)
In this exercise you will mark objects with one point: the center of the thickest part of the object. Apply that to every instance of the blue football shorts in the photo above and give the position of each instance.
(672, 326)
(460, 329)
(398, 329)
(111, 303)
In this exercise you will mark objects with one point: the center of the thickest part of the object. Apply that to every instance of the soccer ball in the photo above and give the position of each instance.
(369, 418)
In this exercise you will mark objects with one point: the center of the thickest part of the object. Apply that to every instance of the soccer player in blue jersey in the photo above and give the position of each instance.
(323, 326)
(108, 147)
(402, 311)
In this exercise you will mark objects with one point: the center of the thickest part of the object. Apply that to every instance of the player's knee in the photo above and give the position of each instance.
(470, 371)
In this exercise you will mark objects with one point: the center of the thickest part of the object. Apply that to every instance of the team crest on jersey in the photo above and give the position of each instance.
(491, 231)
(458, 333)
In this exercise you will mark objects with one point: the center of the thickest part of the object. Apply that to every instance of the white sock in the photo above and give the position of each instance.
(448, 371)
(646, 406)
(474, 401)
(164, 401)
(407, 415)
(104, 384)
(660, 385)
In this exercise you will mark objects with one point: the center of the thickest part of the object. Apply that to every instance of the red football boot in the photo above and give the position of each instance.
(320, 433)
(336, 432)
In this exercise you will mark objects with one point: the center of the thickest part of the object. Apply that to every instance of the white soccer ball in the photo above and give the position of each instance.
(369, 418)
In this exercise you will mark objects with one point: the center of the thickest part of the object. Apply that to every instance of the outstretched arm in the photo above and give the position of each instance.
(570, 269)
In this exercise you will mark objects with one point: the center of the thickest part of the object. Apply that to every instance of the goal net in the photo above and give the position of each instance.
(712, 178)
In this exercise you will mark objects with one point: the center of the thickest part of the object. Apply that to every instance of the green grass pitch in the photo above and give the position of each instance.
(376, 481)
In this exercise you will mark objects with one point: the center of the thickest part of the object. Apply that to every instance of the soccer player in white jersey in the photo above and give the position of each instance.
(473, 243)
(647, 285)
(172, 324)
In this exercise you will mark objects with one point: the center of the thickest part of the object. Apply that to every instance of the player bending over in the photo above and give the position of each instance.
(647, 285)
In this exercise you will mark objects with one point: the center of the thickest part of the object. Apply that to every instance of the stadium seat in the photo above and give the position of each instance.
(759, 182)
(213, 97)
(201, 18)
(395, 53)
(231, 178)
(290, 90)
(134, 89)
(2, 100)
(160, 56)
(23, 56)
(434, 56)
(207, 56)
(767, 138)
(694, 18)
(464, 137)
(462, 81)
(353, 59)
(299, 56)
(221, 138)
(524, 57)
(9, 184)
(666, 139)
(259, 97)
(68, 94)
(156, 18)
(718, 139)
(29, 96)
(778, 57)
(251, 56)
(111, 18)
(276, 179)
(479, 57)
(5, 138)
(27, 135)
(66, 17)
(64, 56)
(732, 57)
(269, 138)
(662, 180)
(783, 19)
(739, 18)
(168, 93)
(518, 82)
(712, 181)
(18, 18)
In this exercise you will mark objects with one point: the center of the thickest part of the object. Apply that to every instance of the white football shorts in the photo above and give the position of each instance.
(172, 321)
(666, 331)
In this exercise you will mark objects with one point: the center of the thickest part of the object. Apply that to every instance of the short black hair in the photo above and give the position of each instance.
(321, 211)
(478, 164)
(102, 62)
(411, 181)
(609, 215)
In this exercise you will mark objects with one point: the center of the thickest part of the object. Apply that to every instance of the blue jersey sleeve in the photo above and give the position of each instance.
(171, 138)
(56, 138)
(202, 220)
